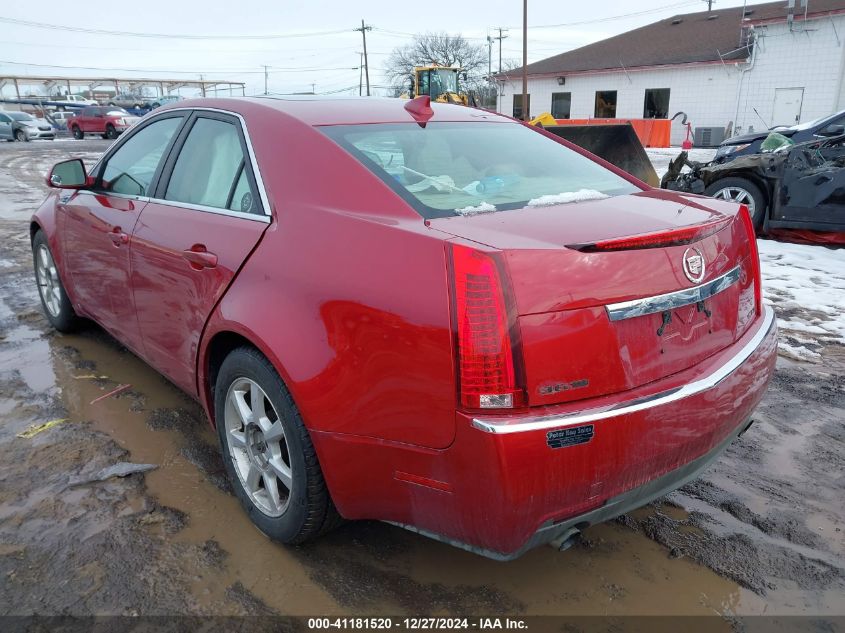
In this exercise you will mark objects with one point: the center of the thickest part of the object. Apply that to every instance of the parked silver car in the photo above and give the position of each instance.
(131, 100)
(24, 127)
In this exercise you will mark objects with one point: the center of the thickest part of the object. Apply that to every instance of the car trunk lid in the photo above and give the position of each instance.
(575, 272)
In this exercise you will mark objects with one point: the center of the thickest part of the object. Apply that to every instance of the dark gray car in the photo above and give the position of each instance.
(747, 144)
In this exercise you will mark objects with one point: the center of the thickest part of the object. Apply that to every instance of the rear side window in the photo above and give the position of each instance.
(454, 168)
(131, 168)
(211, 170)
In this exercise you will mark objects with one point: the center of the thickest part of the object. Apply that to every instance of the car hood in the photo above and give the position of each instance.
(743, 139)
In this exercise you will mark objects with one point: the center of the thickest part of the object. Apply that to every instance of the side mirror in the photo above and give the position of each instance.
(69, 174)
(832, 130)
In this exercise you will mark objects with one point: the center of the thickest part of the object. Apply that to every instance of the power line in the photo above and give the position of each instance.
(181, 36)
(273, 69)
(610, 18)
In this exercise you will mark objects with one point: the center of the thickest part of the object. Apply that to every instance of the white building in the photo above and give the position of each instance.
(718, 67)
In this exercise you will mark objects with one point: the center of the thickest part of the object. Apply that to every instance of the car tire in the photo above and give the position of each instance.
(78, 134)
(258, 465)
(51, 290)
(110, 132)
(743, 191)
(112, 103)
(21, 136)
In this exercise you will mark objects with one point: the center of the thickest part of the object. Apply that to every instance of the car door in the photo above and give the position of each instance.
(192, 238)
(6, 131)
(97, 226)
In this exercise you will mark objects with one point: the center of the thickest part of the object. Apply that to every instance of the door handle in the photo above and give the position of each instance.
(199, 257)
(118, 237)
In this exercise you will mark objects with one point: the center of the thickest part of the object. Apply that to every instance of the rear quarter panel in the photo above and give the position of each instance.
(346, 294)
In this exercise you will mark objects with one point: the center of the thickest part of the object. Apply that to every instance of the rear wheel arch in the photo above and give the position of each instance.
(219, 346)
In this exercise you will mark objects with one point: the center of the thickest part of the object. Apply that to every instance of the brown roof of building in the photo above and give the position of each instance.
(681, 39)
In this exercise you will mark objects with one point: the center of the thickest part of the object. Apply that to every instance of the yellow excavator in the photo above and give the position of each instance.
(441, 83)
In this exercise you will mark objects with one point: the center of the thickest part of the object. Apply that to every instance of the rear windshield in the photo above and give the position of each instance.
(446, 168)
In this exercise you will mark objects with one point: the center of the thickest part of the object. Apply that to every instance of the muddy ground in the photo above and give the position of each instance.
(759, 533)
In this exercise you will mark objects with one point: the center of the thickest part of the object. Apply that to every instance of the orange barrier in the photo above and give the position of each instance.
(651, 132)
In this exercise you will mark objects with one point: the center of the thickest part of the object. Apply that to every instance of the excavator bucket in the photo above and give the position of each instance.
(617, 144)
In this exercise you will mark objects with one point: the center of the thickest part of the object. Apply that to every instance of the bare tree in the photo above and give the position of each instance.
(437, 48)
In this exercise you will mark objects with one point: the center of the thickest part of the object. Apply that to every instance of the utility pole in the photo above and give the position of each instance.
(709, 5)
(364, 28)
(489, 57)
(265, 80)
(500, 38)
(525, 113)
(361, 75)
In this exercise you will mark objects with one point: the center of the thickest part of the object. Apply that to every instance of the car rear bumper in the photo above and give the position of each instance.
(511, 482)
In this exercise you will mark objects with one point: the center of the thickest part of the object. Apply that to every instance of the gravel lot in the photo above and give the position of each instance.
(760, 532)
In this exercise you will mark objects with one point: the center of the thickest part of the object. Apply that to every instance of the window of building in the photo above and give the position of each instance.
(605, 104)
(656, 104)
(561, 105)
(517, 106)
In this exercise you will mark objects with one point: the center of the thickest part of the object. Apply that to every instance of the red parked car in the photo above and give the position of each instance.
(107, 121)
(430, 315)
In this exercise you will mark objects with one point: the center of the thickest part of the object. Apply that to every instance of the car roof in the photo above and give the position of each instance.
(319, 110)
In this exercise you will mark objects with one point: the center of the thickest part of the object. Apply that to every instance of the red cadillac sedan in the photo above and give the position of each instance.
(425, 314)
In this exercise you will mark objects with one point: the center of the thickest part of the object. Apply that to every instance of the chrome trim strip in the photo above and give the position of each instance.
(541, 423)
(201, 207)
(671, 300)
(181, 205)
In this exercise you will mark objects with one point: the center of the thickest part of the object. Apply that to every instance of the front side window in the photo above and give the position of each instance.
(443, 81)
(131, 168)
(561, 105)
(605, 104)
(5, 119)
(211, 170)
(656, 104)
(453, 168)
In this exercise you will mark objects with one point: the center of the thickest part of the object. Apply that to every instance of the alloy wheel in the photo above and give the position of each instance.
(258, 447)
(48, 281)
(737, 194)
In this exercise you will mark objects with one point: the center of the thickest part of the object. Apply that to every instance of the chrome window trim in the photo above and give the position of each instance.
(205, 209)
(671, 300)
(265, 217)
(183, 205)
(506, 425)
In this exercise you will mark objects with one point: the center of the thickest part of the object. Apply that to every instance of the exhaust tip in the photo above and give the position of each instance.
(566, 540)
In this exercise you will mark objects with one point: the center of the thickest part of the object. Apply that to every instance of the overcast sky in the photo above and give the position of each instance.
(320, 49)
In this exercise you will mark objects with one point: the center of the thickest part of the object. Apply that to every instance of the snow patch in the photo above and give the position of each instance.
(805, 284)
(484, 207)
(566, 197)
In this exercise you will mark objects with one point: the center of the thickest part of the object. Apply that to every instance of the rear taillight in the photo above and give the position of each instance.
(657, 239)
(487, 373)
(753, 256)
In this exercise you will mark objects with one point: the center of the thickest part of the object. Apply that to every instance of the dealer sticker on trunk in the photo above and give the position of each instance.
(569, 437)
